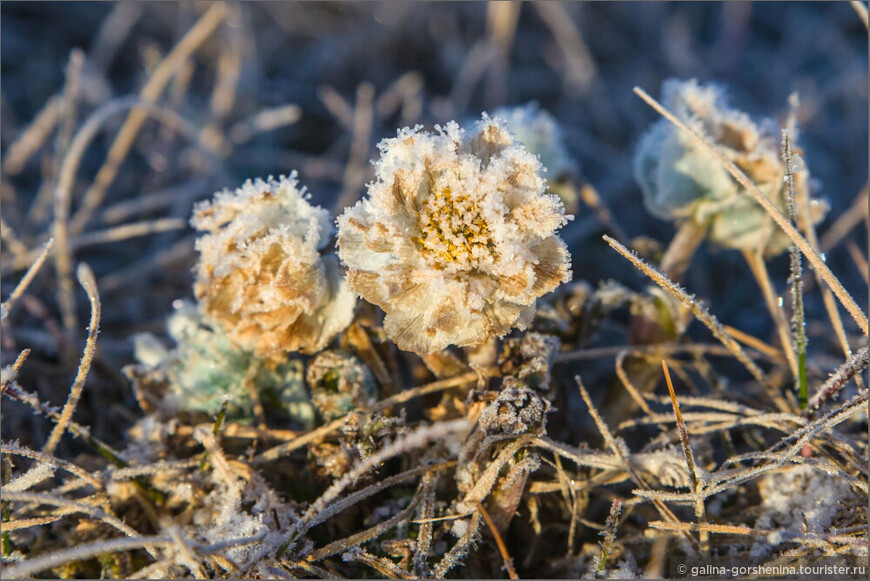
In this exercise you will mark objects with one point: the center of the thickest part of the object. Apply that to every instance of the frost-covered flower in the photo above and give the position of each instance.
(681, 181)
(339, 382)
(516, 410)
(538, 131)
(457, 238)
(205, 367)
(262, 275)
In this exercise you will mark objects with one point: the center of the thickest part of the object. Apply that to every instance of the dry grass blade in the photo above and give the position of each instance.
(51, 461)
(846, 410)
(361, 130)
(681, 427)
(26, 523)
(591, 198)
(361, 537)
(710, 528)
(29, 567)
(759, 270)
(86, 278)
(796, 279)
(581, 69)
(502, 549)
(697, 308)
(844, 224)
(856, 364)
(75, 506)
(407, 395)
(9, 377)
(25, 281)
(815, 260)
(859, 260)
(13, 244)
(690, 457)
(828, 299)
(753, 342)
(459, 550)
(628, 385)
(681, 249)
(423, 546)
(150, 92)
(33, 137)
(382, 565)
(379, 486)
(615, 447)
(186, 554)
(63, 194)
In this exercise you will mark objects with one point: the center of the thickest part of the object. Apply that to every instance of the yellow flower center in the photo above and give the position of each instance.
(451, 229)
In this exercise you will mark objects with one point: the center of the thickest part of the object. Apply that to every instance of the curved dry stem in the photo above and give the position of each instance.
(86, 278)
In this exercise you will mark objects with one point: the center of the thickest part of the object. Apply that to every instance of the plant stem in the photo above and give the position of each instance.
(797, 285)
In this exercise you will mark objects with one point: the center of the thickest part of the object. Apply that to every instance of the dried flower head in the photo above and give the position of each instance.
(261, 273)
(339, 382)
(456, 239)
(681, 181)
(516, 410)
(530, 358)
(205, 367)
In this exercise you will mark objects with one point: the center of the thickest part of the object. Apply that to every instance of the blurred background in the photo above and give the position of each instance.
(253, 89)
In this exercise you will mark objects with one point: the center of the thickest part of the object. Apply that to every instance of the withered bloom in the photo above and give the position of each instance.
(681, 181)
(457, 237)
(261, 273)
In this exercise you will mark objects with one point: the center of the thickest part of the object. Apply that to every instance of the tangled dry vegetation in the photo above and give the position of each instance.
(621, 425)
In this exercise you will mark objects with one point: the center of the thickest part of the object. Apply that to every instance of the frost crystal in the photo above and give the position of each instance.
(681, 181)
(456, 239)
(261, 274)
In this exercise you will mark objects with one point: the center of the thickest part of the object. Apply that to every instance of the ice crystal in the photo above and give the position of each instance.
(457, 237)
(262, 274)
(681, 181)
